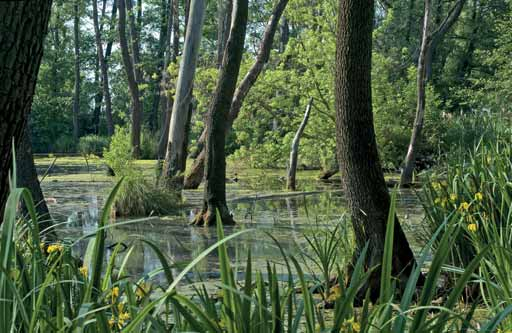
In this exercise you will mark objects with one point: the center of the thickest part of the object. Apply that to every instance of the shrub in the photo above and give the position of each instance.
(118, 156)
(140, 197)
(93, 144)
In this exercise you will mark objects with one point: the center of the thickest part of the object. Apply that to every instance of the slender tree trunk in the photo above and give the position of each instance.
(363, 180)
(194, 178)
(76, 95)
(408, 170)
(27, 178)
(104, 69)
(172, 54)
(132, 81)
(20, 58)
(428, 44)
(224, 10)
(175, 160)
(294, 153)
(157, 82)
(215, 169)
(98, 97)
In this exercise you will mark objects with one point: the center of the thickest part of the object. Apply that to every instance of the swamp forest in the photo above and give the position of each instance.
(252, 166)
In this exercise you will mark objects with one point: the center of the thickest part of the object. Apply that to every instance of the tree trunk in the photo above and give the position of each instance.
(428, 45)
(161, 58)
(194, 178)
(175, 161)
(215, 169)
(410, 159)
(363, 181)
(23, 26)
(224, 10)
(27, 178)
(103, 68)
(171, 56)
(76, 95)
(132, 81)
(294, 153)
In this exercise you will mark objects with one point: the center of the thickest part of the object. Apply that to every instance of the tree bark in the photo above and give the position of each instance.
(76, 94)
(175, 160)
(23, 26)
(132, 81)
(27, 178)
(103, 67)
(363, 181)
(224, 10)
(408, 170)
(428, 44)
(215, 170)
(294, 153)
(194, 178)
(161, 63)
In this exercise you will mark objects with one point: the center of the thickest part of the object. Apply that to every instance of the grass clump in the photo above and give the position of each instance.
(92, 145)
(137, 196)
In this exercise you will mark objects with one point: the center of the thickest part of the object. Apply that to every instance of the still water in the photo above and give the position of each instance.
(258, 202)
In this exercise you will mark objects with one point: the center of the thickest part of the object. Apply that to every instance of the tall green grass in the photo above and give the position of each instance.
(44, 288)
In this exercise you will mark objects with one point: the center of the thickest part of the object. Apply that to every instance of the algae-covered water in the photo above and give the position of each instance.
(258, 199)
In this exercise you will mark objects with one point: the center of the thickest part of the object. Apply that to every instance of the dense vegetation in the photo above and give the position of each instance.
(358, 86)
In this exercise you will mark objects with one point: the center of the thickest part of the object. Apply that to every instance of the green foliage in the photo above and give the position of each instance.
(118, 156)
(93, 144)
(137, 196)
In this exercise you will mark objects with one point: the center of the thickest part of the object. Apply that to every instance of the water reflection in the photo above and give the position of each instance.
(285, 217)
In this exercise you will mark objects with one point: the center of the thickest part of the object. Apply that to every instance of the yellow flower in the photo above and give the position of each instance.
(464, 206)
(472, 227)
(111, 321)
(84, 271)
(54, 248)
(437, 201)
(443, 203)
(453, 197)
(356, 327)
(479, 196)
(436, 186)
(115, 293)
(124, 316)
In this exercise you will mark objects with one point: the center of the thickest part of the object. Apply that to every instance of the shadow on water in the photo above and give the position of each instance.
(258, 202)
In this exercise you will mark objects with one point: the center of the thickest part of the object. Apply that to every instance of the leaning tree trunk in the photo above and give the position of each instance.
(224, 9)
(76, 94)
(132, 82)
(429, 44)
(23, 26)
(194, 178)
(175, 157)
(215, 169)
(363, 180)
(27, 178)
(294, 153)
(410, 159)
(103, 67)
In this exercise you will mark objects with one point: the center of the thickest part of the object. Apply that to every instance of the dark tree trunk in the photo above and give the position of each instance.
(76, 95)
(224, 9)
(132, 81)
(23, 26)
(294, 153)
(285, 35)
(98, 97)
(175, 159)
(161, 63)
(215, 168)
(194, 178)
(361, 173)
(27, 178)
(103, 67)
